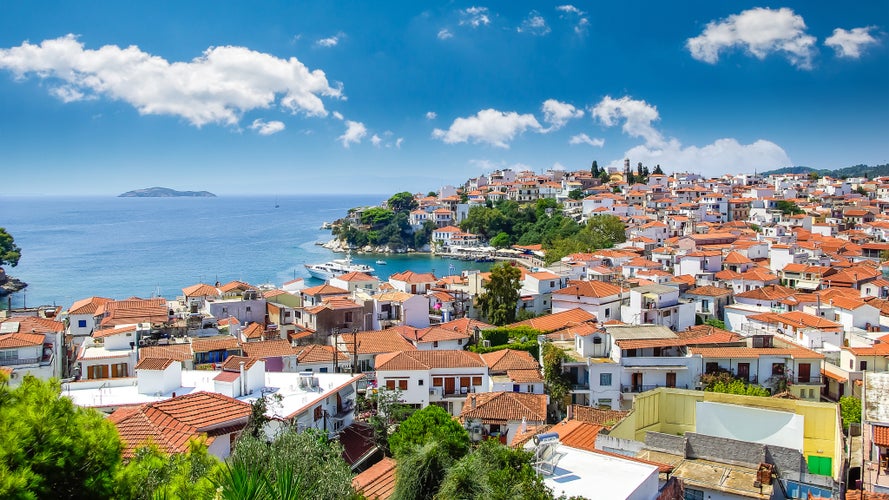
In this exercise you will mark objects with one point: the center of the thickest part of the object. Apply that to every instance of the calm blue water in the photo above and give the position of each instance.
(76, 247)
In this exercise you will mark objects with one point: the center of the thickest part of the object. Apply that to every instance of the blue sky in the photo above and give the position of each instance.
(376, 97)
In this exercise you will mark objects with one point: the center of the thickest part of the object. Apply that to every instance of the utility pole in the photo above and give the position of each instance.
(336, 358)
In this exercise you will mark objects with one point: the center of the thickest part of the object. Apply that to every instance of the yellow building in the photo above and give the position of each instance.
(817, 426)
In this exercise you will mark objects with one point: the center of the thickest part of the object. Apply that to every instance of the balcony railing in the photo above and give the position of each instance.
(632, 388)
(19, 361)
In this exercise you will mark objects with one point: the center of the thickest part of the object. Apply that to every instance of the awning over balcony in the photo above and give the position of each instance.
(657, 367)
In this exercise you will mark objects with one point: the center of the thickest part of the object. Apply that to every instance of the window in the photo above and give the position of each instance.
(777, 368)
(248, 308)
(515, 387)
(434, 343)
(476, 381)
(348, 317)
(631, 353)
(81, 323)
(390, 384)
(402, 384)
(437, 382)
(420, 382)
(862, 365)
(691, 494)
(597, 340)
(604, 404)
(605, 379)
(323, 369)
(607, 312)
(318, 413)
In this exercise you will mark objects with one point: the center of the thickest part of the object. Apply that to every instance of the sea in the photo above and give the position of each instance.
(77, 247)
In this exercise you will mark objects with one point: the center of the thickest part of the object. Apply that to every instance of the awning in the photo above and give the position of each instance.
(657, 367)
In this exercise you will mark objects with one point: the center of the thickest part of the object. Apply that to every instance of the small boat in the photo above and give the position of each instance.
(326, 225)
(381, 262)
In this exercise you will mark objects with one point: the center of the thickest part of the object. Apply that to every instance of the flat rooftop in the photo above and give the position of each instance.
(734, 479)
(594, 475)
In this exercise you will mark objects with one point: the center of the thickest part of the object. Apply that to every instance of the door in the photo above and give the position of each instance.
(449, 385)
(744, 371)
(671, 380)
(803, 373)
(637, 382)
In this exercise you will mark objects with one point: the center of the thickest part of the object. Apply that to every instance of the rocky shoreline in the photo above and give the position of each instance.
(336, 245)
(9, 286)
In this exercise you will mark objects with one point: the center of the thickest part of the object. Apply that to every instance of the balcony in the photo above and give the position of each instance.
(19, 361)
(635, 389)
(580, 387)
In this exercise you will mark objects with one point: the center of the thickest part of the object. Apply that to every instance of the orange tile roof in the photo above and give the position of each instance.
(222, 342)
(555, 321)
(881, 435)
(736, 258)
(253, 331)
(356, 276)
(236, 285)
(87, 306)
(16, 340)
(268, 349)
(154, 364)
(502, 407)
(33, 324)
(524, 376)
(324, 289)
(768, 292)
(509, 359)
(319, 354)
(797, 318)
(233, 363)
(605, 418)
(436, 333)
(171, 423)
(709, 291)
(412, 277)
(577, 434)
(200, 290)
(466, 325)
(426, 360)
(178, 352)
(376, 342)
(378, 481)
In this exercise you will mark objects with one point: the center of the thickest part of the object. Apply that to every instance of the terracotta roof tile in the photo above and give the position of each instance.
(200, 290)
(501, 407)
(376, 342)
(378, 481)
(555, 321)
(87, 306)
(425, 360)
(577, 434)
(178, 352)
(598, 289)
(16, 340)
(222, 342)
(755, 352)
(154, 364)
(319, 354)
(509, 359)
(268, 349)
(524, 376)
(881, 435)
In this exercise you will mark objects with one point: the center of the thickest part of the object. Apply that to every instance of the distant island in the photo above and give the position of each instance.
(161, 192)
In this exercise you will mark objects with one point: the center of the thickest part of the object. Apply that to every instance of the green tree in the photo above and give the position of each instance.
(420, 471)
(728, 385)
(594, 169)
(402, 202)
(432, 194)
(605, 231)
(9, 252)
(575, 194)
(423, 236)
(555, 381)
(51, 448)
(388, 410)
(850, 410)
(296, 465)
(494, 472)
(604, 176)
(499, 300)
(151, 473)
(657, 170)
(377, 217)
(788, 207)
(718, 323)
(431, 424)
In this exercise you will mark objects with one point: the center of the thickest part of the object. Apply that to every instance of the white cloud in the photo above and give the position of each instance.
(355, 131)
(637, 116)
(558, 166)
(572, 12)
(487, 164)
(712, 160)
(216, 87)
(330, 41)
(490, 126)
(760, 31)
(585, 139)
(474, 16)
(67, 94)
(375, 140)
(399, 142)
(444, 34)
(849, 43)
(337, 115)
(267, 128)
(723, 155)
(431, 115)
(534, 24)
(558, 113)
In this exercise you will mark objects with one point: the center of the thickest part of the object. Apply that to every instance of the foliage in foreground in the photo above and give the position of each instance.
(724, 382)
(296, 465)
(10, 253)
(51, 448)
(850, 410)
(494, 472)
(430, 424)
(151, 473)
(557, 385)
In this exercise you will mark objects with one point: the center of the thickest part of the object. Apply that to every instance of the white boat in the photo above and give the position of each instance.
(336, 267)
(381, 262)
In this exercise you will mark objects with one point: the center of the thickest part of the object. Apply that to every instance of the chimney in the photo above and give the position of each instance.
(243, 380)
(570, 412)
(472, 401)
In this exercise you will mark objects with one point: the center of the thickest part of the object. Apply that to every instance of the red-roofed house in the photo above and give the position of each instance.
(596, 297)
(499, 415)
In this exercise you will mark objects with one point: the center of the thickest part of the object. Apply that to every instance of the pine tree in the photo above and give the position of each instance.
(657, 170)
(595, 169)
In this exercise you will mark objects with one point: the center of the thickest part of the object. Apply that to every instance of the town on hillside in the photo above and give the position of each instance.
(729, 340)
